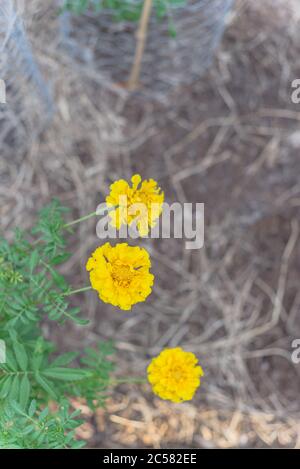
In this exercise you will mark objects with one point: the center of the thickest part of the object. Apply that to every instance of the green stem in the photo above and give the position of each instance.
(79, 290)
(138, 380)
(79, 220)
(89, 215)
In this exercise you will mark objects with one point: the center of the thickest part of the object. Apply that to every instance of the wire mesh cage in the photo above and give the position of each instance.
(179, 47)
(26, 104)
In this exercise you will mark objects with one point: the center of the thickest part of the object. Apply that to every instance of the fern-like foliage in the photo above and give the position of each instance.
(32, 291)
(33, 428)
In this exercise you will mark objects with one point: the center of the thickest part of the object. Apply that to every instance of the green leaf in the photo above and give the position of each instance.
(5, 387)
(61, 258)
(80, 322)
(32, 408)
(46, 385)
(78, 444)
(43, 414)
(66, 374)
(33, 261)
(37, 360)
(14, 389)
(59, 279)
(64, 359)
(16, 406)
(10, 361)
(21, 355)
(24, 391)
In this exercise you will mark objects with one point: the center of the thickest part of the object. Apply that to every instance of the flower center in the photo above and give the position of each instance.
(178, 373)
(121, 274)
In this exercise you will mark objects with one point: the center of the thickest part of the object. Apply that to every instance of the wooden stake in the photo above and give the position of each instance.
(141, 36)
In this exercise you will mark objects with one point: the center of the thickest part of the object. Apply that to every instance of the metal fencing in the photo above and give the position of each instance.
(26, 104)
(107, 45)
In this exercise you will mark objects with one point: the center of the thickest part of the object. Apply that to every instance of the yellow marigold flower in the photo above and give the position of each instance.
(175, 375)
(140, 202)
(121, 274)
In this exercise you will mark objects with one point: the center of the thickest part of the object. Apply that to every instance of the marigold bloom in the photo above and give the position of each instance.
(140, 202)
(175, 375)
(121, 274)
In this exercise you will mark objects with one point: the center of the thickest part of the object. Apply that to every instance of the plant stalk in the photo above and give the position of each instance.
(141, 36)
(89, 215)
(79, 220)
(79, 290)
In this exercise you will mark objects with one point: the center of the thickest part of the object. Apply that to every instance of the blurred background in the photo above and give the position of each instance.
(213, 121)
